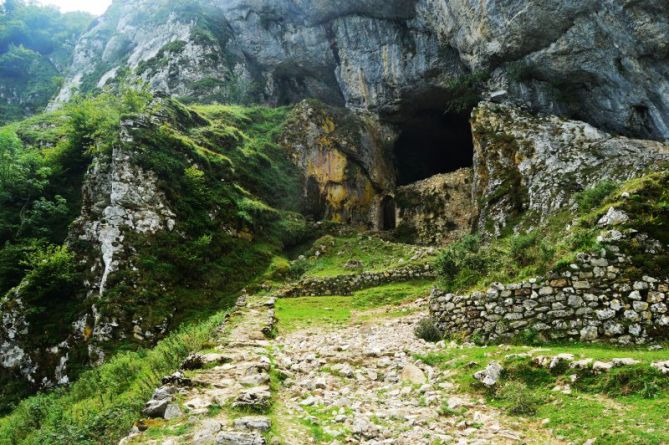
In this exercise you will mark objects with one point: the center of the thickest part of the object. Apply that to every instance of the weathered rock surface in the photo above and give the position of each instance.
(527, 163)
(436, 210)
(345, 159)
(601, 61)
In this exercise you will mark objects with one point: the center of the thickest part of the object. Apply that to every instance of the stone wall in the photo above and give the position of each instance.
(593, 300)
(347, 284)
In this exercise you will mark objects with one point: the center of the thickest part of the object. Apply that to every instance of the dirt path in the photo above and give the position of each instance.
(362, 384)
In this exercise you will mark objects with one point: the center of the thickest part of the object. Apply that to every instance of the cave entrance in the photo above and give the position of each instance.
(388, 215)
(432, 142)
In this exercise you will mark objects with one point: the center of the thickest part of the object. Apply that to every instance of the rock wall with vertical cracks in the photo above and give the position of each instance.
(605, 62)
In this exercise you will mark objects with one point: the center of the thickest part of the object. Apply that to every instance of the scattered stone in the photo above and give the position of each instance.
(257, 398)
(172, 412)
(618, 362)
(663, 367)
(601, 367)
(257, 423)
(490, 375)
(157, 406)
(413, 374)
(238, 438)
(613, 217)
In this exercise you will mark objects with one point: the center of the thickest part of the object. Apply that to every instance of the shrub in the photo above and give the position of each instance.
(520, 246)
(594, 197)
(428, 331)
(452, 260)
(520, 400)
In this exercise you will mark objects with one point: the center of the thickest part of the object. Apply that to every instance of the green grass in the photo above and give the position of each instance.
(103, 404)
(332, 311)
(305, 312)
(391, 294)
(374, 253)
(615, 407)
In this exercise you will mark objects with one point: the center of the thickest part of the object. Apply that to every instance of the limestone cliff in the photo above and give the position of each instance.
(345, 159)
(603, 62)
(533, 165)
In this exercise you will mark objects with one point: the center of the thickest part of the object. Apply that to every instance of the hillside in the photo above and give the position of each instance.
(36, 47)
(291, 222)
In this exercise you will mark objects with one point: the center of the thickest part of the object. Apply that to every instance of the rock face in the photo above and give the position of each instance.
(436, 210)
(604, 62)
(119, 196)
(345, 159)
(526, 163)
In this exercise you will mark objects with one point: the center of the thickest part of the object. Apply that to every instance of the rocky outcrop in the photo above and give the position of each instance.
(119, 196)
(604, 62)
(345, 159)
(436, 210)
(535, 164)
(595, 299)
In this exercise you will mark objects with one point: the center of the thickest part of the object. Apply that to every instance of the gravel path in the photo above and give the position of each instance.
(361, 384)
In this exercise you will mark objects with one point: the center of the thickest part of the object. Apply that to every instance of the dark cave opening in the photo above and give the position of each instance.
(388, 214)
(432, 142)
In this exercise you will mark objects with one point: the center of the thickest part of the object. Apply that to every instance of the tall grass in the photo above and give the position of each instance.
(103, 404)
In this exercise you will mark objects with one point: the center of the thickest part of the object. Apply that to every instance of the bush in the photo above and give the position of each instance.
(520, 246)
(463, 263)
(594, 197)
(519, 399)
(428, 331)
(456, 256)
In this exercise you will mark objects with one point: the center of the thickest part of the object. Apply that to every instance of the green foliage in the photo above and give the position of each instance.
(465, 91)
(103, 404)
(428, 331)
(593, 197)
(463, 262)
(519, 399)
(519, 248)
(43, 160)
(34, 41)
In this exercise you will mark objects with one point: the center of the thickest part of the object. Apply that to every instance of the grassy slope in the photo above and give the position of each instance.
(606, 407)
(103, 404)
(472, 264)
(236, 172)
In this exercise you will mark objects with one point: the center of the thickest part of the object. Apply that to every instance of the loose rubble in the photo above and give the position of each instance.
(362, 385)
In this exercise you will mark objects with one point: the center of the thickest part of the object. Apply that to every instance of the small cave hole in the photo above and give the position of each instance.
(431, 142)
(388, 214)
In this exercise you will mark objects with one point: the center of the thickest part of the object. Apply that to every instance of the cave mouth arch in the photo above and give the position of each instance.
(431, 142)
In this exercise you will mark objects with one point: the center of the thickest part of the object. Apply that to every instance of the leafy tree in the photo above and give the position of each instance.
(35, 43)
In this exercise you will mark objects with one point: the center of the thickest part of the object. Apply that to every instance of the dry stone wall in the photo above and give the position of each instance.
(347, 284)
(593, 300)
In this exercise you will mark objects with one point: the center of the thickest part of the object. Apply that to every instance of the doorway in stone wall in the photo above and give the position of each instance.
(388, 213)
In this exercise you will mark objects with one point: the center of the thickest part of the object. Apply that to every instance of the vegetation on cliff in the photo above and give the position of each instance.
(36, 45)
